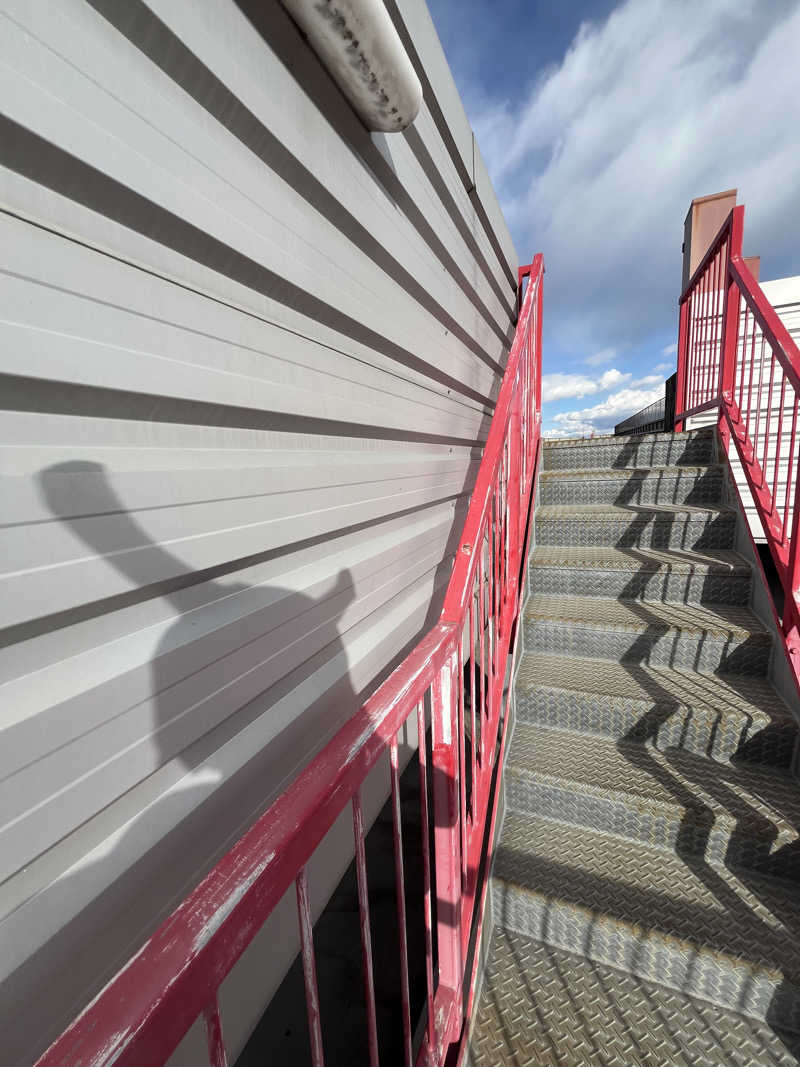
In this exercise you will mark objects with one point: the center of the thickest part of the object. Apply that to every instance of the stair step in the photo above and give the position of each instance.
(674, 575)
(675, 800)
(717, 716)
(542, 1005)
(725, 637)
(696, 927)
(656, 485)
(632, 525)
(652, 450)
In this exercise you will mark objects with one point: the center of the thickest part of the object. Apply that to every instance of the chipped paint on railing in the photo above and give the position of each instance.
(143, 1013)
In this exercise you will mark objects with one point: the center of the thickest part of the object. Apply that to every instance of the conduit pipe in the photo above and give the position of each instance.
(362, 51)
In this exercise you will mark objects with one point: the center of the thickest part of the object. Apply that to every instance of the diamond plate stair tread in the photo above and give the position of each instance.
(696, 925)
(628, 511)
(608, 613)
(681, 561)
(745, 801)
(617, 525)
(658, 452)
(669, 687)
(686, 473)
(622, 439)
(541, 1005)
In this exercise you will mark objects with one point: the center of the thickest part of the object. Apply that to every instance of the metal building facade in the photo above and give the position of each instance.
(249, 356)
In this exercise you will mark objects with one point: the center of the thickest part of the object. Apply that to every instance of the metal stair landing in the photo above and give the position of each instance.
(645, 882)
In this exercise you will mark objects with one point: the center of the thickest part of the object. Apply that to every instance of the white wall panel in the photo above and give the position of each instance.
(248, 357)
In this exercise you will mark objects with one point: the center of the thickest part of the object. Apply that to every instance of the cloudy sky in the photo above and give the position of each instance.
(599, 122)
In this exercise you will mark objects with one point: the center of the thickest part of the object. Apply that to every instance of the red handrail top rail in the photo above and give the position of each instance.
(466, 559)
(219, 918)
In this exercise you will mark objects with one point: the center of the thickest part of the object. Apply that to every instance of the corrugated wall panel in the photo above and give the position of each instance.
(249, 356)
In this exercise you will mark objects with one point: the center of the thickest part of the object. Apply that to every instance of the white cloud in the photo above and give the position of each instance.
(597, 162)
(670, 350)
(663, 367)
(562, 386)
(647, 381)
(602, 417)
(605, 355)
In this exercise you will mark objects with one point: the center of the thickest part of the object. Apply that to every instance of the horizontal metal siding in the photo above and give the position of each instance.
(249, 354)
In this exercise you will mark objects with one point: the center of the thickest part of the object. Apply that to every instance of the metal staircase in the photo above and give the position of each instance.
(644, 886)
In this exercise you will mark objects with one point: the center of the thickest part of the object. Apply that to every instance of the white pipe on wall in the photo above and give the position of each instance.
(358, 44)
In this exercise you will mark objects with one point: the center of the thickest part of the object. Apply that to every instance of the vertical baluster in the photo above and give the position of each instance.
(689, 348)
(473, 734)
(775, 472)
(690, 351)
(366, 933)
(740, 367)
(681, 382)
(772, 362)
(462, 756)
(426, 869)
(719, 308)
(399, 886)
(759, 400)
(501, 570)
(696, 299)
(497, 550)
(701, 325)
(482, 605)
(708, 376)
(747, 420)
(727, 355)
(790, 470)
(791, 587)
(446, 833)
(309, 967)
(713, 364)
(492, 637)
(214, 1039)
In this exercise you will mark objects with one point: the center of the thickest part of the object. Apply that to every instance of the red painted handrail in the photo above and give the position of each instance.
(143, 1013)
(735, 354)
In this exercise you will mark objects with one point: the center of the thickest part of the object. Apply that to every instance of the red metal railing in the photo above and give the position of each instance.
(735, 353)
(141, 1016)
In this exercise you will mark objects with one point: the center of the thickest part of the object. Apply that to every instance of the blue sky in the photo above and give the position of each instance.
(599, 122)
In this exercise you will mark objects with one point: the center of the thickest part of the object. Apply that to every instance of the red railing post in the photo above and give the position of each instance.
(536, 353)
(513, 501)
(730, 324)
(791, 588)
(447, 832)
(683, 364)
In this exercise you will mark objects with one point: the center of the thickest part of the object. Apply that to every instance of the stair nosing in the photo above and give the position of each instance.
(631, 472)
(628, 796)
(611, 557)
(683, 943)
(579, 511)
(700, 432)
(724, 629)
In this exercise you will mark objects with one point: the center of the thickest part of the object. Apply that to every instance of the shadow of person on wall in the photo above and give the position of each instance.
(216, 702)
(220, 645)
